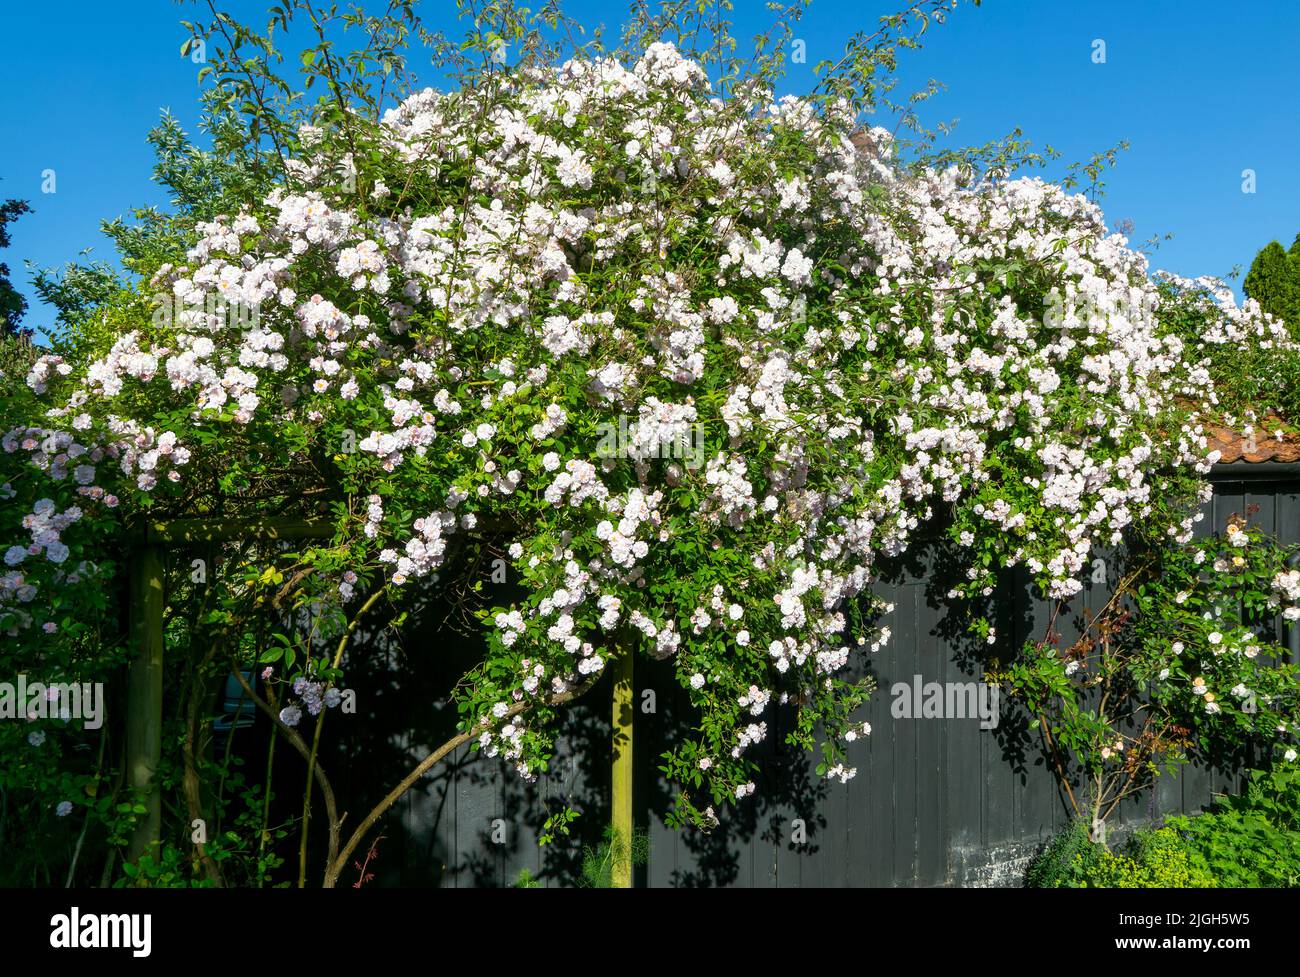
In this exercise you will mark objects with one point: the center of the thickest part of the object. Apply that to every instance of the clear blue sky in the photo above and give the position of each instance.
(1203, 90)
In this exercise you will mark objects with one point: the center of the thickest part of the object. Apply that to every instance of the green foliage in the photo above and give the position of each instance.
(1242, 850)
(1251, 839)
(1273, 283)
(1065, 858)
(1179, 664)
(75, 292)
(169, 870)
(1246, 840)
(598, 862)
(1151, 860)
(12, 303)
(1254, 372)
(1293, 258)
(558, 825)
(1273, 795)
(17, 353)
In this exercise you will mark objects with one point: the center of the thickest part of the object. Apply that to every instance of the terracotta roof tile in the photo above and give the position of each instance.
(1234, 446)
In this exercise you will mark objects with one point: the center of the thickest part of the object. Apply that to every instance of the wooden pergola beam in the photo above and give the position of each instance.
(145, 683)
(144, 715)
(148, 592)
(179, 532)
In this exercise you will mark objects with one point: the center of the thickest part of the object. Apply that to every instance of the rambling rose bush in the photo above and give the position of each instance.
(1178, 664)
(696, 364)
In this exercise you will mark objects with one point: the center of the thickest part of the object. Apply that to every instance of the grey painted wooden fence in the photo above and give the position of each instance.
(935, 802)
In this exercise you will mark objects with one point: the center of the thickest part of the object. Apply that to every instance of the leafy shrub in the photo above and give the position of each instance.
(687, 363)
(1067, 858)
(598, 863)
(1246, 840)
(1151, 860)
(1174, 668)
(1250, 839)
(1271, 794)
(1241, 850)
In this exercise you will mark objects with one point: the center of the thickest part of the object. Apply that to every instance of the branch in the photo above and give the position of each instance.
(190, 776)
(297, 742)
(320, 726)
(339, 862)
(1062, 774)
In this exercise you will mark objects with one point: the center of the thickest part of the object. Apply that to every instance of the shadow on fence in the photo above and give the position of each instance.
(934, 803)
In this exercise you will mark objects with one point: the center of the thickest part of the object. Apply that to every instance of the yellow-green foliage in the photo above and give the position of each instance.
(90, 335)
(1158, 861)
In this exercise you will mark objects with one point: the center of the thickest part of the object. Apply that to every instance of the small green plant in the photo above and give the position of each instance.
(598, 863)
(1067, 857)
(170, 870)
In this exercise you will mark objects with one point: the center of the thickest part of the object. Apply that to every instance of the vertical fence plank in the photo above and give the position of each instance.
(906, 662)
(931, 778)
(1288, 534)
(964, 788)
(1041, 810)
(877, 805)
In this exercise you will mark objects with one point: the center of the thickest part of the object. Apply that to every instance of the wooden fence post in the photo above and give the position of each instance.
(145, 697)
(621, 793)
